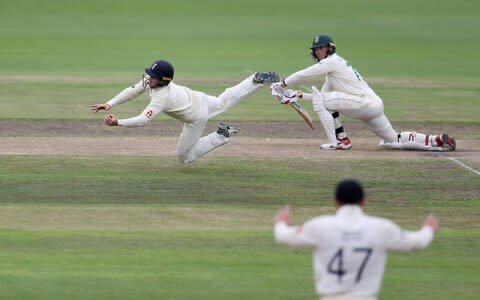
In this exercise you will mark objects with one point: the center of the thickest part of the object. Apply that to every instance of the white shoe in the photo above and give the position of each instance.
(344, 144)
(328, 146)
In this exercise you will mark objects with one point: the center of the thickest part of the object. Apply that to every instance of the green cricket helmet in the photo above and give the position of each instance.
(323, 40)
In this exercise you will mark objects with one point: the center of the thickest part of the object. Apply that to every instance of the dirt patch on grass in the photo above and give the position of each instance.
(256, 139)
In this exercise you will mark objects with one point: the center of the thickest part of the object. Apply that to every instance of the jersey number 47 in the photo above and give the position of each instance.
(335, 265)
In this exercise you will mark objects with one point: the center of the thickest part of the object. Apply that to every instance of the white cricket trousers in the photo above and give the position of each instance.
(368, 109)
(344, 297)
(190, 146)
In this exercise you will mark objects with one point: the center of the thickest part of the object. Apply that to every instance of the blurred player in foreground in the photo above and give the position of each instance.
(191, 107)
(350, 248)
(345, 92)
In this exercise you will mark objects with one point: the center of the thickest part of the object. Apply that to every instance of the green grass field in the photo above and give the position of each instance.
(146, 227)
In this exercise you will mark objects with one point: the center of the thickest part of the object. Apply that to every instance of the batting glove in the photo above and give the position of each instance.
(277, 90)
(288, 97)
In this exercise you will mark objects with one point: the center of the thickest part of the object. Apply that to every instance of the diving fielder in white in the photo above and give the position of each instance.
(350, 248)
(344, 91)
(191, 107)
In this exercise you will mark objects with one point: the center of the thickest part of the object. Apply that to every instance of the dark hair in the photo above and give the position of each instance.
(349, 191)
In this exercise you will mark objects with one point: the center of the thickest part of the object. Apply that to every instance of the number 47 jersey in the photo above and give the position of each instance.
(350, 249)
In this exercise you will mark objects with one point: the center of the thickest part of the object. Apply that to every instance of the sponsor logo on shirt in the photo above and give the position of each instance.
(149, 114)
(351, 236)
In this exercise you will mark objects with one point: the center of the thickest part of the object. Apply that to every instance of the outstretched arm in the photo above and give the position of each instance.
(125, 95)
(141, 120)
(405, 241)
(293, 236)
(309, 74)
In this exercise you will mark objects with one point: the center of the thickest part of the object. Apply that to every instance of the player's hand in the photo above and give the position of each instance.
(288, 97)
(276, 89)
(432, 222)
(110, 120)
(97, 107)
(277, 85)
(283, 215)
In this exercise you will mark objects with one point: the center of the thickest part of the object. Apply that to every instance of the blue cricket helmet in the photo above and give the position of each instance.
(162, 70)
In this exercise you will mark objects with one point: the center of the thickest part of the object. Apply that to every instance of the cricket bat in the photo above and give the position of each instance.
(302, 112)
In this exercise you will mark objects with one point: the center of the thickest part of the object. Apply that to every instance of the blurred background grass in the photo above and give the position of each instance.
(214, 38)
(58, 57)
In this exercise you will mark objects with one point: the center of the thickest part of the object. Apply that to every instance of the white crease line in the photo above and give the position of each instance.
(449, 158)
(463, 165)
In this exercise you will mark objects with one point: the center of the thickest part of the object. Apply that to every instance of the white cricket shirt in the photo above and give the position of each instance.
(177, 101)
(350, 249)
(341, 76)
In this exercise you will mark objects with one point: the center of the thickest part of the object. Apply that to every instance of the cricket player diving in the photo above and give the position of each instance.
(191, 107)
(346, 92)
(350, 247)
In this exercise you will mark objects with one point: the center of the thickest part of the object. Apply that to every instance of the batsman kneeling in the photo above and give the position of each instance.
(345, 92)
